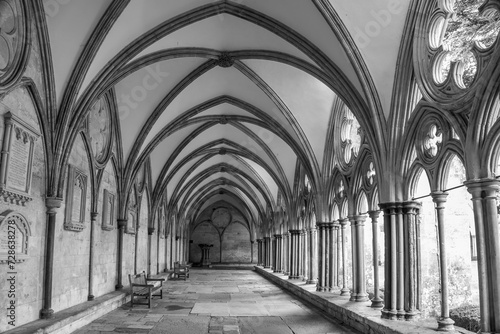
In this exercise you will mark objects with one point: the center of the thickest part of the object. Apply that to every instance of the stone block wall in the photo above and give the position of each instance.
(236, 247)
(29, 278)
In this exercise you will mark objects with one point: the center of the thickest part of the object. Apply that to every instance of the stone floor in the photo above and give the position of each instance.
(219, 301)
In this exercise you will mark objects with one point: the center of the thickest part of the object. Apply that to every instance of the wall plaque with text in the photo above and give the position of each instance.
(17, 159)
(76, 197)
(108, 210)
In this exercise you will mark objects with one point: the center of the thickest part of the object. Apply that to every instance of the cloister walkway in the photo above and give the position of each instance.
(219, 301)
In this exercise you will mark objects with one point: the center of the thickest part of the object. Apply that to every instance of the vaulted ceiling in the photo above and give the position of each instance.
(225, 97)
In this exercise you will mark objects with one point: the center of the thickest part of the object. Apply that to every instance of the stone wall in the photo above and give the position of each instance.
(29, 283)
(224, 227)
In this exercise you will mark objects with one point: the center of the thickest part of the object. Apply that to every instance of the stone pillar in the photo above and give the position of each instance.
(445, 324)
(321, 257)
(354, 262)
(303, 258)
(286, 251)
(331, 258)
(345, 290)
(93, 217)
(377, 302)
(267, 262)
(294, 254)
(484, 201)
(412, 271)
(339, 253)
(52, 204)
(275, 265)
(402, 260)
(122, 224)
(313, 251)
(359, 232)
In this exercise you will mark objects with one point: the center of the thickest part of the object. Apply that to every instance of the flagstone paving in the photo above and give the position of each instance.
(219, 302)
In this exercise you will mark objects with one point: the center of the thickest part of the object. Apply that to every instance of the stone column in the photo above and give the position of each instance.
(345, 290)
(377, 302)
(52, 204)
(275, 254)
(331, 258)
(322, 257)
(412, 271)
(267, 262)
(445, 324)
(305, 255)
(334, 250)
(402, 261)
(93, 217)
(360, 287)
(122, 224)
(484, 201)
(313, 262)
(287, 254)
(354, 262)
(339, 253)
(294, 254)
(301, 255)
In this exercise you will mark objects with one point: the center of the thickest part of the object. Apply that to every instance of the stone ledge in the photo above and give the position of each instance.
(358, 315)
(73, 318)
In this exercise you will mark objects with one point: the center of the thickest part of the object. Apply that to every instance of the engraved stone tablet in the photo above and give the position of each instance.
(108, 210)
(17, 159)
(76, 195)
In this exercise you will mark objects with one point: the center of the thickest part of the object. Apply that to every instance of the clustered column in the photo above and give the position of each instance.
(402, 267)
(267, 247)
(259, 252)
(484, 201)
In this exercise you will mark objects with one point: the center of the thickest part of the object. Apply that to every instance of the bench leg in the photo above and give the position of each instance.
(132, 301)
(149, 299)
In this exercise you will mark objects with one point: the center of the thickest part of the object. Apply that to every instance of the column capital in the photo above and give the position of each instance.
(374, 214)
(52, 204)
(343, 222)
(278, 236)
(151, 230)
(322, 224)
(358, 219)
(93, 215)
(295, 231)
(439, 197)
(477, 186)
(390, 207)
(122, 222)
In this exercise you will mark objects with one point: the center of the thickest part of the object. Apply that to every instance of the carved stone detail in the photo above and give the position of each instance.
(108, 210)
(17, 160)
(225, 60)
(14, 237)
(76, 198)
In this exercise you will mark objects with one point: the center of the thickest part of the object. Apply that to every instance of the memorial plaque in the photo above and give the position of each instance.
(132, 214)
(14, 236)
(108, 210)
(17, 160)
(76, 196)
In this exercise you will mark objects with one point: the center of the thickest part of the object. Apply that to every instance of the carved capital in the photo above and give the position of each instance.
(52, 204)
(122, 222)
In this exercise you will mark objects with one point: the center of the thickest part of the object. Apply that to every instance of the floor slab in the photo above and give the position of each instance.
(229, 301)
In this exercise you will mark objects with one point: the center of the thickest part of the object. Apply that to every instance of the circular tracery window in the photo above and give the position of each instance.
(13, 52)
(454, 50)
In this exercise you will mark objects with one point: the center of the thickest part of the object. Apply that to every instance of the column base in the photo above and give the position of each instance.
(118, 286)
(46, 314)
(446, 325)
(90, 298)
(311, 281)
(354, 297)
(389, 314)
(293, 277)
(377, 302)
(345, 292)
(362, 297)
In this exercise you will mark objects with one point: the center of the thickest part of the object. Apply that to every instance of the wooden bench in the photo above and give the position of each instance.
(181, 270)
(140, 287)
